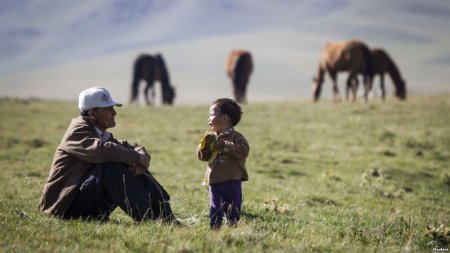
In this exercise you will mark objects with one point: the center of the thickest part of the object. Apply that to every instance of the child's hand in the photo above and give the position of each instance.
(220, 144)
(223, 146)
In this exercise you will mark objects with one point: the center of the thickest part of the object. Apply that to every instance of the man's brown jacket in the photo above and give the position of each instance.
(79, 150)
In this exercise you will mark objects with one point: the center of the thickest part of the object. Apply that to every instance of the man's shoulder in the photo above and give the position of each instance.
(80, 124)
(82, 121)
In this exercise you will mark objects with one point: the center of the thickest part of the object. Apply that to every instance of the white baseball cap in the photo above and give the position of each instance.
(95, 97)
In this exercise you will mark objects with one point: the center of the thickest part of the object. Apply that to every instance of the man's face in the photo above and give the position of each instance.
(104, 117)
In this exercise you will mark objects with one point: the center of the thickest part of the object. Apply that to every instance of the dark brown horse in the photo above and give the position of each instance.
(382, 63)
(350, 56)
(150, 69)
(239, 66)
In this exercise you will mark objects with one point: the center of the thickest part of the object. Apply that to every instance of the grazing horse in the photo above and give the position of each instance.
(239, 66)
(351, 56)
(382, 63)
(150, 69)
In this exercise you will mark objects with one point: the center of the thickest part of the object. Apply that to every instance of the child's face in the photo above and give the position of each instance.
(217, 121)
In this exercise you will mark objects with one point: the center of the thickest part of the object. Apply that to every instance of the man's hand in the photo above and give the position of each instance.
(137, 170)
(144, 161)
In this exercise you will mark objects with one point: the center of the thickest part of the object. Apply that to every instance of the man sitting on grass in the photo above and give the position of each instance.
(93, 173)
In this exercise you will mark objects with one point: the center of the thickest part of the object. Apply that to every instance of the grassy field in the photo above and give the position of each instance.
(324, 177)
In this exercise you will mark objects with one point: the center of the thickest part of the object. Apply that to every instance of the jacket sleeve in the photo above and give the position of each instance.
(136, 147)
(82, 142)
(238, 148)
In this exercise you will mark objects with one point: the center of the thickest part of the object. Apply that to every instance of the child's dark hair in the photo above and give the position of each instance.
(231, 108)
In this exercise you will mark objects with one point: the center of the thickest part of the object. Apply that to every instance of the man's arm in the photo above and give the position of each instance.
(144, 157)
(82, 142)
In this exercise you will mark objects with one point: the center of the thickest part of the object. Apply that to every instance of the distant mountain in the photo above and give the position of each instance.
(54, 49)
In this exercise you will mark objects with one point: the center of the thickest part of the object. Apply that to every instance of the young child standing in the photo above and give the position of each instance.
(226, 151)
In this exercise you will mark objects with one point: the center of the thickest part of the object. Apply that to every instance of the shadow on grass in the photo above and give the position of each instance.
(250, 216)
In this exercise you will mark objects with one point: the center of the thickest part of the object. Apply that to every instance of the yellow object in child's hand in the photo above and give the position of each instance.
(209, 141)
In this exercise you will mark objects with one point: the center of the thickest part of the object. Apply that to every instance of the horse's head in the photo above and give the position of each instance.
(168, 95)
(400, 89)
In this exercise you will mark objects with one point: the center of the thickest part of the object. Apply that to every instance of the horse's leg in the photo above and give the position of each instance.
(149, 86)
(237, 87)
(153, 95)
(240, 94)
(243, 97)
(383, 91)
(244, 90)
(347, 87)
(351, 80)
(354, 86)
(373, 90)
(336, 95)
(316, 88)
(235, 91)
(164, 93)
(134, 90)
(367, 86)
(317, 83)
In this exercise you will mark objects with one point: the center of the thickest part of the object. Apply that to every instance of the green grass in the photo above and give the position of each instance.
(324, 177)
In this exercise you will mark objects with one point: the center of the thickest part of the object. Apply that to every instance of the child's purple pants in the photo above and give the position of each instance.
(225, 198)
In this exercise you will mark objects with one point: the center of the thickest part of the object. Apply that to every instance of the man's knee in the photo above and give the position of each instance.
(112, 172)
(113, 168)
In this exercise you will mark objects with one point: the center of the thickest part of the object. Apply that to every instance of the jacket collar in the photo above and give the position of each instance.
(227, 131)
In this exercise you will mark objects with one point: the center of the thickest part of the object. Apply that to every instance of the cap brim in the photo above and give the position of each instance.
(113, 103)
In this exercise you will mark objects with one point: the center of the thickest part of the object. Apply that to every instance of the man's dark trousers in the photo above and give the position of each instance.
(109, 185)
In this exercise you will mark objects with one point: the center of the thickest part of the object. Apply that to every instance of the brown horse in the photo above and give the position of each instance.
(382, 63)
(239, 66)
(351, 56)
(150, 69)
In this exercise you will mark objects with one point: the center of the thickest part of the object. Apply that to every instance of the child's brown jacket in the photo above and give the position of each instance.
(230, 162)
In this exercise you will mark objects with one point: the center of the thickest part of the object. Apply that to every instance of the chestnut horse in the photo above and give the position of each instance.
(150, 69)
(239, 66)
(351, 56)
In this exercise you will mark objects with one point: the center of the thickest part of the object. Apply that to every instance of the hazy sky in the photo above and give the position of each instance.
(54, 49)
